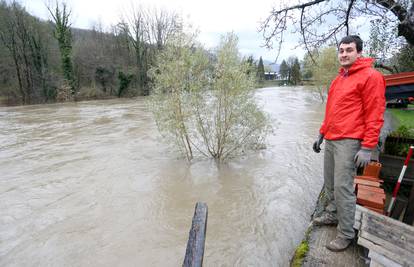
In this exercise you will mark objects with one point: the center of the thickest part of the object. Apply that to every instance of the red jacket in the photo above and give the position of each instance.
(356, 104)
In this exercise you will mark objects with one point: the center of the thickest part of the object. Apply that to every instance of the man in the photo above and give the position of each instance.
(351, 127)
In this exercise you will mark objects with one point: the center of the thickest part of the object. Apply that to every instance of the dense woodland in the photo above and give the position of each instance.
(47, 61)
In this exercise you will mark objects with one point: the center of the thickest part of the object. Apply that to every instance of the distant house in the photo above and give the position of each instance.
(272, 76)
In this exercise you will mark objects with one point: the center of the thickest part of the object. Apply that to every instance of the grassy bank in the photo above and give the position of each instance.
(270, 83)
(301, 250)
(404, 116)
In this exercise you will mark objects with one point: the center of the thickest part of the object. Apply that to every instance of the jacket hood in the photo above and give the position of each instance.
(360, 63)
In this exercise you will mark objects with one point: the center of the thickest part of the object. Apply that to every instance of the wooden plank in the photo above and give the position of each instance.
(409, 212)
(386, 236)
(380, 250)
(195, 246)
(358, 216)
(390, 230)
(373, 263)
(395, 253)
(381, 260)
(398, 208)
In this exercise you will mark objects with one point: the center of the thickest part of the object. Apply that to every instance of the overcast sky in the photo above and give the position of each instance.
(212, 17)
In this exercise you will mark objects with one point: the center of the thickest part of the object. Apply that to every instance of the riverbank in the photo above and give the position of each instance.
(4, 102)
(312, 250)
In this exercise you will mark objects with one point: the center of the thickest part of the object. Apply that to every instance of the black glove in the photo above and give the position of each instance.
(317, 144)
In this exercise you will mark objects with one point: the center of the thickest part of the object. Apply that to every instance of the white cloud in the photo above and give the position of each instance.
(213, 18)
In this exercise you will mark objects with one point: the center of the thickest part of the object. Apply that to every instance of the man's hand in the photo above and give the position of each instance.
(363, 157)
(317, 144)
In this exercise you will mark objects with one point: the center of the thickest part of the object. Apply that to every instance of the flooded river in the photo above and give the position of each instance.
(92, 184)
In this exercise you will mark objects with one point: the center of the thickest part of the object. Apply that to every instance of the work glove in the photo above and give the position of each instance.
(317, 144)
(363, 157)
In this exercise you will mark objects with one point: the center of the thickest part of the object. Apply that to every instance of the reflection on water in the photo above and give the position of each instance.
(92, 183)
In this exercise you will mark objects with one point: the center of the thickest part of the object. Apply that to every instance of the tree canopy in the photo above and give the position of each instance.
(322, 21)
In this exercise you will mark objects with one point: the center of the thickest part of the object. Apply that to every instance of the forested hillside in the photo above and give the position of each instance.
(47, 61)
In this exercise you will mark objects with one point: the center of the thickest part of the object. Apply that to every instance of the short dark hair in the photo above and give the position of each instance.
(353, 39)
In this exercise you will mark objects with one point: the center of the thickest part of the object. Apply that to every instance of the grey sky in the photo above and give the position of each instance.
(212, 18)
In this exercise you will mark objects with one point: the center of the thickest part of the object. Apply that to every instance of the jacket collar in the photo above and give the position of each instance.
(360, 63)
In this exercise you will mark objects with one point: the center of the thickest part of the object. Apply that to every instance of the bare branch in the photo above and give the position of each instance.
(320, 24)
(348, 12)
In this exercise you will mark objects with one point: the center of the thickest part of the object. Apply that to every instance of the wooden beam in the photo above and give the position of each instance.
(195, 246)
(409, 212)
(381, 260)
(398, 208)
(388, 237)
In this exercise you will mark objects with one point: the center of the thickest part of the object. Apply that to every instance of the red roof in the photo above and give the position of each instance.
(399, 78)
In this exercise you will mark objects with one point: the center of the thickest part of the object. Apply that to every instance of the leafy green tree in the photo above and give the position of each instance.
(296, 75)
(63, 34)
(206, 106)
(324, 70)
(260, 70)
(124, 81)
(404, 59)
(307, 67)
(383, 44)
(284, 70)
(251, 63)
(104, 76)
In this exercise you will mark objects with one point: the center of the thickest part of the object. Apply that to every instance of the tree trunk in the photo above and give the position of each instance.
(406, 27)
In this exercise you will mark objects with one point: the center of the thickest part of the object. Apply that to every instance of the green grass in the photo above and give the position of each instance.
(269, 83)
(300, 254)
(404, 116)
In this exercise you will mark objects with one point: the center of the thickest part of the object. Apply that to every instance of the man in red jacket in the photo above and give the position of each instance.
(351, 128)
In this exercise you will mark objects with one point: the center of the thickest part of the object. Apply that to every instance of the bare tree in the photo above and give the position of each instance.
(323, 21)
(162, 26)
(138, 35)
(21, 35)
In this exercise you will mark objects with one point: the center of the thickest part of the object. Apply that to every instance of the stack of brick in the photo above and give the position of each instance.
(368, 188)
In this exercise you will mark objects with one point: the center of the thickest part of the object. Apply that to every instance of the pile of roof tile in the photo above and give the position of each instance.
(368, 188)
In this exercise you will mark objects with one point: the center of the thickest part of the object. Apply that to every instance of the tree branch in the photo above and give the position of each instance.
(348, 13)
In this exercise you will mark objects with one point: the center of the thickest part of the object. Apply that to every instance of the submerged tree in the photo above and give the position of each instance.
(206, 107)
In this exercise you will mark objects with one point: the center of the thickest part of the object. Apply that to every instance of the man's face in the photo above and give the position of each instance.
(347, 54)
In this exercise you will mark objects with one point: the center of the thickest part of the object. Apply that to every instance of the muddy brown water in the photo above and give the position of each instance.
(92, 184)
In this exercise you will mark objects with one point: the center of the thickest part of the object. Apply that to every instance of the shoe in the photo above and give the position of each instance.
(339, 244)
(326, 218)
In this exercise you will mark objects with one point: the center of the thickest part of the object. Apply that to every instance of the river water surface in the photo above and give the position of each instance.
(92, 184)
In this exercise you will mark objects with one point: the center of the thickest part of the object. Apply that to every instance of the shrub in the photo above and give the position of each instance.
(204, 106)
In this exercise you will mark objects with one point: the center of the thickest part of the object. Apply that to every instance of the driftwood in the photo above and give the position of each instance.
(195, 245)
